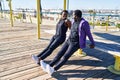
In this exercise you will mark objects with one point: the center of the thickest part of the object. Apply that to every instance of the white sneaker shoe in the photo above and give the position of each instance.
(43, 65)
(50, 70)
(36, 59)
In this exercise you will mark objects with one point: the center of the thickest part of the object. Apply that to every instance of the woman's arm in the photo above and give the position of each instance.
(68, 23)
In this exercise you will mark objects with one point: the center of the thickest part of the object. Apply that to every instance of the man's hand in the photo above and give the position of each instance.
(91, 46)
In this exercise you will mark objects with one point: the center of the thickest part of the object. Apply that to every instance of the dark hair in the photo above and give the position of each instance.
(64, 11)
(78, 13)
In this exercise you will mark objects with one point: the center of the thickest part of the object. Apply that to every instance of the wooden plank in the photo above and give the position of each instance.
(17, 45)
(30, 75)
(25, 38)
(111, 76)
(22, 73)
(20, 49)
(65, 67)
(96, 72)
(108, 51)
(20, 54)
(16, 70)
(15, 64)
(17, 38)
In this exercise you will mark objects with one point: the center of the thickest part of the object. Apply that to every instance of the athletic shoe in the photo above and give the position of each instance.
(43, 65)
(36, 59)
(50, 70)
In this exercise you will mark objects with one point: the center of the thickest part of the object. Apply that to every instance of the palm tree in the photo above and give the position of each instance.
(92, 12)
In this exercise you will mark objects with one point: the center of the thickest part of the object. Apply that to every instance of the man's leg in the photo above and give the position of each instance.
(59, 55)
(66, 56)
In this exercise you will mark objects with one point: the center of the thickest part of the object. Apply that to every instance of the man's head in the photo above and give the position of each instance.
(77, 14)
(64, 14)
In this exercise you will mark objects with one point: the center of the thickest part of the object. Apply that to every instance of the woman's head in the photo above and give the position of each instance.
(77, 14)
(64, 14)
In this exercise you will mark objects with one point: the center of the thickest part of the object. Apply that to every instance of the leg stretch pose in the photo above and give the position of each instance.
(77, 39)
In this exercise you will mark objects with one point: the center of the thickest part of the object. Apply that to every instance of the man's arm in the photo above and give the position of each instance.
(88, 32)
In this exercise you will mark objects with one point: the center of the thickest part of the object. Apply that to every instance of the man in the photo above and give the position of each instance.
(77, 39)
(59, 37)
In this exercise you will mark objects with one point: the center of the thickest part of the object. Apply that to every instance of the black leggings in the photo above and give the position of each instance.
(65, 53)
(54, 43)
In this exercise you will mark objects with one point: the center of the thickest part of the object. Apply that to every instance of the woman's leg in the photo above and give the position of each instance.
(52, 47)
(51, 41)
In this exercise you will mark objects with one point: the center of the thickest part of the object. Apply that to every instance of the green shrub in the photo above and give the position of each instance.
(118, 26)
(97, 23)
(104, 24)
(90, 23)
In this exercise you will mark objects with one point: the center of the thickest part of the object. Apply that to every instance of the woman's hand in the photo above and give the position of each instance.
(68, 23)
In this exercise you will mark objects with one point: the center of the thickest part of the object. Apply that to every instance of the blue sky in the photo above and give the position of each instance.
(74, 4)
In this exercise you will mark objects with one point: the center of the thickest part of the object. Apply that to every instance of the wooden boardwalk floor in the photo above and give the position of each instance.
(18, 43)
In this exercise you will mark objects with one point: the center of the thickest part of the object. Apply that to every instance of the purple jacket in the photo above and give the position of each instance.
(84, 30)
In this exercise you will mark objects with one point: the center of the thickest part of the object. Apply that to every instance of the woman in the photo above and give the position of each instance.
(59, 37)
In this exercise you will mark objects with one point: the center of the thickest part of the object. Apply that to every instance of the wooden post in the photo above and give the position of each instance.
(107, 24)
(38, 18)
(65, 4)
